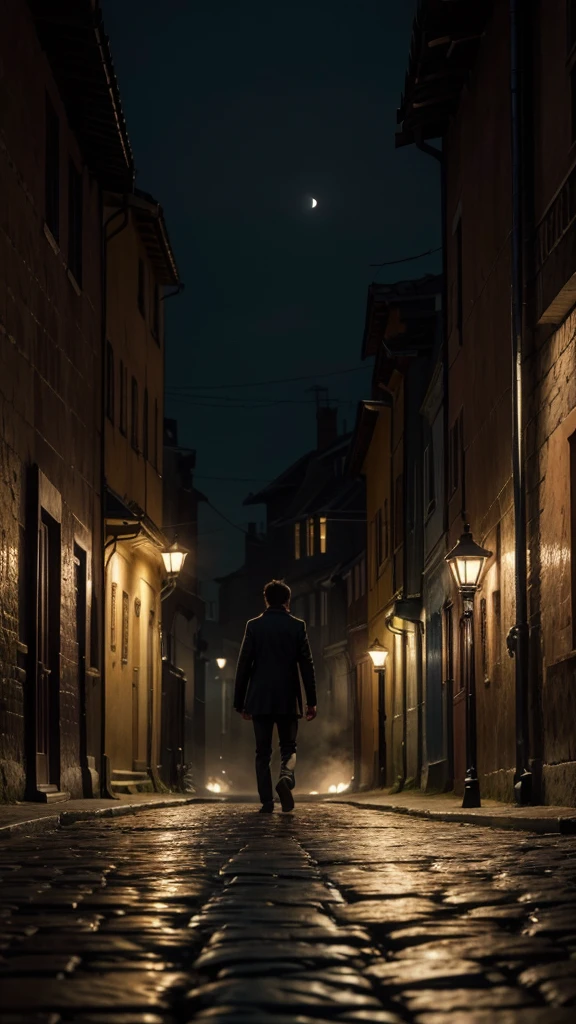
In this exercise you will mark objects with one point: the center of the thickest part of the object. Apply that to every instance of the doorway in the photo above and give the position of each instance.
(47, 682)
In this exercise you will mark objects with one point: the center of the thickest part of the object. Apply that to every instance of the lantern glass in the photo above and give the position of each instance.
(221, 662)
(378, 653)
(173, 560)
(466, 561)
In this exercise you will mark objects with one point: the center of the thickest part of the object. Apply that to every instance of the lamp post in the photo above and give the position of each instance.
(221, 663)
(379, 654)
(466, 561)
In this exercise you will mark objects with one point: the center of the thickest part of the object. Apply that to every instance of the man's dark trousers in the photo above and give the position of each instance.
(287, 731)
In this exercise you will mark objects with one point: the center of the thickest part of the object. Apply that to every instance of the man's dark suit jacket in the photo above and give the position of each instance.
(275, 646)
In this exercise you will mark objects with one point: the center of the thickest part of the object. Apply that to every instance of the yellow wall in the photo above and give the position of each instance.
(132, 670)
(130, 334)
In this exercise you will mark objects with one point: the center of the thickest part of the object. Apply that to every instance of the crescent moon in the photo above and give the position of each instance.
(314, 203)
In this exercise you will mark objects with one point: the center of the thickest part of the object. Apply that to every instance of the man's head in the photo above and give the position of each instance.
(277, 594)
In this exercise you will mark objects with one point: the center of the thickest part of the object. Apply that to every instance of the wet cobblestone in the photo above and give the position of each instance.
(219, 915)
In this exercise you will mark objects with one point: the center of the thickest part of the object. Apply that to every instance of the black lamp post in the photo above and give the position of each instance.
(379, 653)
(466, 561)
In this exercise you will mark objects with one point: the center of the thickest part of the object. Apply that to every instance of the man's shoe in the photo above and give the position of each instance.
(267, 808)
(284, 791)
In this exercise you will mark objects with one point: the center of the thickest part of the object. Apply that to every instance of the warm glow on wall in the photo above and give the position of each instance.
(323, 527)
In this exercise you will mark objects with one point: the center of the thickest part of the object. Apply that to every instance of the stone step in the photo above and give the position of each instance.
(52, 795)
(124, 782)
(124, 775)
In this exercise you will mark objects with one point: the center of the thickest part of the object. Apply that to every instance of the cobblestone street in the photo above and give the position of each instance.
(215, 913)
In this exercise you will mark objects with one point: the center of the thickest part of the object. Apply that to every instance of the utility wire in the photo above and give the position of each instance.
(263, 383)
(407, 259)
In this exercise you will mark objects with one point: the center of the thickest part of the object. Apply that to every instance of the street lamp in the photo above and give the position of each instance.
(379, 654)
(466, 561)
(173, 559)
(221, 662)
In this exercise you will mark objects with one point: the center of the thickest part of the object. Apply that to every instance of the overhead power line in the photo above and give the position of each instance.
(263, 383)
(407, 259)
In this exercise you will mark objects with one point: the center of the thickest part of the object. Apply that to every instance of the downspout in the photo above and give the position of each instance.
(104, 766)
(518, 635)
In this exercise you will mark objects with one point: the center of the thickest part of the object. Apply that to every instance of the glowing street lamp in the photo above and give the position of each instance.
(173, 559)
(221, 662)
(379, 654)
(467, 560)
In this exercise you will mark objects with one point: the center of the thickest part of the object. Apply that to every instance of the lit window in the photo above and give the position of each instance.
(310, 538)
(323, 535)
(297, 550)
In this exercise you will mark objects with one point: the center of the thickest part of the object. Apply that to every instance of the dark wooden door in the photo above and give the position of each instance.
(81, 634)
(43, 667)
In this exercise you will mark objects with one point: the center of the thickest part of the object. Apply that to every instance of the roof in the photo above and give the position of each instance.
(286, 481)
(323, 488)
(366, 419)
(149, 218)
(71, 34)
(401, 316)
(444, 44)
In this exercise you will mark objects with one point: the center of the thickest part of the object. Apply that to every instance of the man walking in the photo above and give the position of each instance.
(267, 690)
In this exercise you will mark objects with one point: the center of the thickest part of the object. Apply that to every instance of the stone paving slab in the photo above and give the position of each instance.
(542, 819)
(150, 918)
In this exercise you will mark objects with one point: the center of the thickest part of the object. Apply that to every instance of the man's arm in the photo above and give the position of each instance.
(306, 665)
(243, 670)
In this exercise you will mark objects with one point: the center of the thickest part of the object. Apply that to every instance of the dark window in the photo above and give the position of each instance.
(145, 425)
(52, 171)
(386, 528)
(378, 539)
(429, 481)
(448, 645)
(573, 101)
(110, 382)
(141, 288)
(459, 285)
(571, 23)
(134, 414)
(399, 511)
(156, 313)
(156, 465)
(456, 455)
(75, 222)
(123, 399)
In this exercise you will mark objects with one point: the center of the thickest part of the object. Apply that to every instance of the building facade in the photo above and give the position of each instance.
(63, 143)
(140, 266)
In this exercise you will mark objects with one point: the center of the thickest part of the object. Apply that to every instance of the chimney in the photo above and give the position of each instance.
(327, 426)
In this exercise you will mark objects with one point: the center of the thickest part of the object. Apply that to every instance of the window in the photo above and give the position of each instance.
(113, 593)
(310, 537)
(456, 454)
(75, 196)
(323, 526)
(386, 529)
(141, 287)
(156, 313)
(156, 462)
(362, 577)
(52, 171)
(429, 481)
(571, 23)
(399, 511)
(378, 538)
(110, 382)
(484, 639)
(125, 615)
(123, 399)
(448, 645)
(297, 539)
(145, 448)
(459, 284)
(323, 607)
(356, 581)
(312, 609)
(134, 414)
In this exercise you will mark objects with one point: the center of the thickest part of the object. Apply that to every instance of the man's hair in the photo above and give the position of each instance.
(277, 593)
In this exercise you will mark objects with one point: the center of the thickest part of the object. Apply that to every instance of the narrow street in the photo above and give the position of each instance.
(215, 913)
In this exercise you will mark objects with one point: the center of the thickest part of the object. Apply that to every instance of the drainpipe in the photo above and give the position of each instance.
(518, 636)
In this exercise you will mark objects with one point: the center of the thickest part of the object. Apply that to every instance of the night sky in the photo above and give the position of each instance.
(238, 113)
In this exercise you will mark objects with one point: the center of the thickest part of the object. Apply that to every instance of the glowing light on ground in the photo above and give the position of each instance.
(340, 787)
(214, 787)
